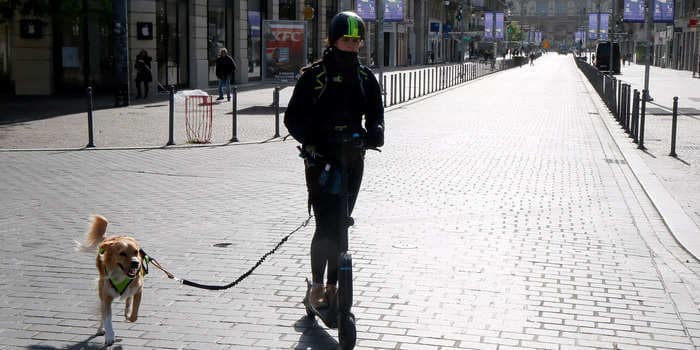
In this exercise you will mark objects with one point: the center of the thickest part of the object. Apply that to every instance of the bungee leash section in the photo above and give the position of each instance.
(238, 280)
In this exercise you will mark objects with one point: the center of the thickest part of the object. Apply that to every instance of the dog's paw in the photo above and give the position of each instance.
(109, 339)
(100, 331)
(131, 318)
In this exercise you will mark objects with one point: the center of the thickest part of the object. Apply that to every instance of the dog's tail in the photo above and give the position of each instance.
(95, 236)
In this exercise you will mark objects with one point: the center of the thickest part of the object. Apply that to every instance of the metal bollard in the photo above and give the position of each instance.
(234, 114)
(393, 90)
(642, 117)
(171, 114)
(91, 136)
(276, 106)
(626, 107)
(674, 126)
(635, 116)
(384, 89)
(410, 84)
(415, 83)
(618, 102)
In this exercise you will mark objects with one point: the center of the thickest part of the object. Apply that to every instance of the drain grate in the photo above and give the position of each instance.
(222, 245)
(615, 161)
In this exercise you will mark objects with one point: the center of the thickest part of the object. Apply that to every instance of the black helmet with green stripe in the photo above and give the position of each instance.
(346, 24)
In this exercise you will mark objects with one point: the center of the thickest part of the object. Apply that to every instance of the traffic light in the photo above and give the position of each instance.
(459, 14)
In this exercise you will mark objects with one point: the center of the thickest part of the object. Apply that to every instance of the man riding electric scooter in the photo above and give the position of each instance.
(325, 115)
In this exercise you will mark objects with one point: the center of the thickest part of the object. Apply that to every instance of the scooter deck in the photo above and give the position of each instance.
(327, 314)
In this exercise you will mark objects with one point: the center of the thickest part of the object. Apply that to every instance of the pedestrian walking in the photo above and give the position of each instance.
(532, 58)
(325, 115)
(143, 73)
(225, 68)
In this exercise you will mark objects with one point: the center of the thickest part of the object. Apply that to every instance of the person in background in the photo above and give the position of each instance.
(143, 73)
(225, 67)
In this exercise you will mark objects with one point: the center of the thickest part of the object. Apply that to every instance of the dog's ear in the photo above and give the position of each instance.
(105, 248)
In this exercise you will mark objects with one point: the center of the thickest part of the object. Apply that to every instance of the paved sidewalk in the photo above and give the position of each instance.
(487, 222)
(680, 176)
(145, 125)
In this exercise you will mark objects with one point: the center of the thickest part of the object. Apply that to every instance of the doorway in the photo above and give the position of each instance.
(172, 44)
(83, 46)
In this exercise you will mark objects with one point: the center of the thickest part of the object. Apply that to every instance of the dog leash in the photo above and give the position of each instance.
(237, 280)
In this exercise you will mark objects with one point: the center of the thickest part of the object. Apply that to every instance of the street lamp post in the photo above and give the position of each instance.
(649, 24)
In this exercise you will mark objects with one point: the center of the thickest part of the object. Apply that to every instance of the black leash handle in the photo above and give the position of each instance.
(241, 277)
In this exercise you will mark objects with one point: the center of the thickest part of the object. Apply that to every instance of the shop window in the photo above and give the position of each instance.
(216, 33)
(256, 13)
(288, 9)
(5, 85)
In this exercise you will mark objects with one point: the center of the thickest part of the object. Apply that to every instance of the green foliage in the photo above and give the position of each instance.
(515, 32)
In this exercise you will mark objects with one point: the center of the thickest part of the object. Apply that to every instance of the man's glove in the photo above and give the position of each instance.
(375, 137)
(311, 152)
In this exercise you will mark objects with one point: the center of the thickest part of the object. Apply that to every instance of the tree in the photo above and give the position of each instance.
(515, 32)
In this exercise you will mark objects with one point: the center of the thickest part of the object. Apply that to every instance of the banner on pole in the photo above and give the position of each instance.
(593, 26)
(393, 10)
(488, 25)
(499, 25)
(633, 11)
(663, 11)
(604, 26)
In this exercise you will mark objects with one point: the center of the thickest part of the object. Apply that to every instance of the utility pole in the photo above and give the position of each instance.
(379, 52)
(650, 46)
(612, 34)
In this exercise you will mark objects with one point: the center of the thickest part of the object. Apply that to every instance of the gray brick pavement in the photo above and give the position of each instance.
(482, 225)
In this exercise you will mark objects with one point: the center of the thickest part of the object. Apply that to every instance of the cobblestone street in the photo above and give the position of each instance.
(501, 214)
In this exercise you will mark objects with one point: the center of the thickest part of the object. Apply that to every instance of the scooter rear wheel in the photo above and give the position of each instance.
(347, 332)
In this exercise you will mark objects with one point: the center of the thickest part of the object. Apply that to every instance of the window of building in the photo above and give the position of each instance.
(217, 39)
(288, 9)
(5, 85)
(256, 13)
(561, 8)
(541, 7)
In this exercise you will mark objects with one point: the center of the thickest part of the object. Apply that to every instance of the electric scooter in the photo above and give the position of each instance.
(337, 313)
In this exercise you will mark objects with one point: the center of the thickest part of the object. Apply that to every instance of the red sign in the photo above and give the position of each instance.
(693, 22)
(284, 49)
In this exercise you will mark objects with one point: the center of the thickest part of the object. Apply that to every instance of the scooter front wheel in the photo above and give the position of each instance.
(347, 332)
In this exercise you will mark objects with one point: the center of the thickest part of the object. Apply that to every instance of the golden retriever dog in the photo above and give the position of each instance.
(120, 263)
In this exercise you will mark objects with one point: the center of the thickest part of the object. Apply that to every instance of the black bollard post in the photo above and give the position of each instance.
(276, 106)
(635, 116)
(642, 117)
(384, 88)
(415, 83)
(626, 107)
(234, 114)
(674, 125)
(91, 135)
(410, 84)
(171, 114)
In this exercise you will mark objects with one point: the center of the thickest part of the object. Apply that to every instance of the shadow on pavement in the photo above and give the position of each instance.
(313, 336)
(83, 345)
(29, 108)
